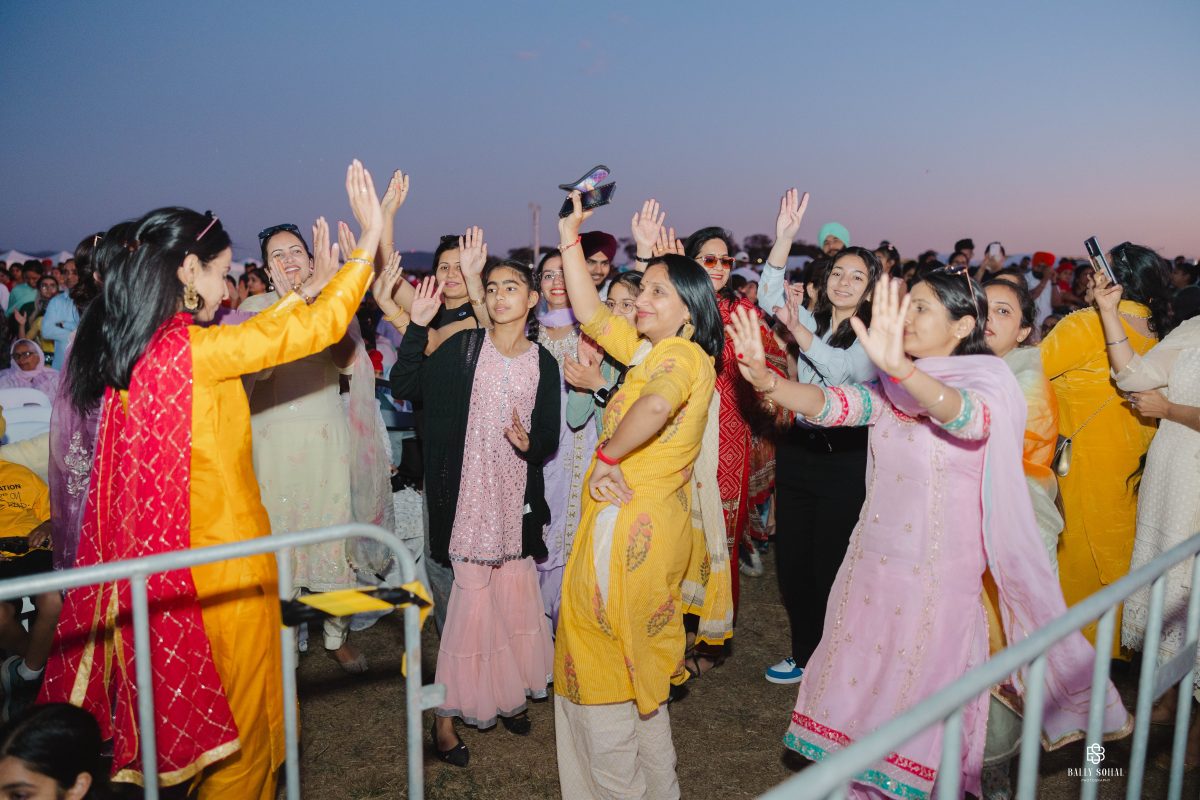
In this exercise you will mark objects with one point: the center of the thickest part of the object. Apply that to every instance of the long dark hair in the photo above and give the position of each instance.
(695, 290)
(693, 244)
(88, 287)
(1015, 283)
(525, 274)
(844, 336)
(139, 261)
(1145, 278)
(59, 741)
(962, 297)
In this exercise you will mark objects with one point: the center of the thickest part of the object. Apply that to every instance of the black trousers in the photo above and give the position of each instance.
(820, 485)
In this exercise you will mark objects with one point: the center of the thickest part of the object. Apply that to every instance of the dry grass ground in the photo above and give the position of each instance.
(728, 730)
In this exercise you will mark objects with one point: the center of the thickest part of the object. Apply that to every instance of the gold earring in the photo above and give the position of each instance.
(687, 331)
(191, 298)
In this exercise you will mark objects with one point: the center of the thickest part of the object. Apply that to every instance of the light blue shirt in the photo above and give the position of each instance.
(60, 321)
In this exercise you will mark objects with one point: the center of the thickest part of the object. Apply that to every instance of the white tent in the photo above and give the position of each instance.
(61, 256)
(14, 257)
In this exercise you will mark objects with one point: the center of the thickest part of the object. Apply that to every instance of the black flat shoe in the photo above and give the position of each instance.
(590, 180)
(458, 755)
(519, 724)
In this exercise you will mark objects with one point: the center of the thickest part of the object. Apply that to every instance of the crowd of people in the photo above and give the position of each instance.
(942, 455)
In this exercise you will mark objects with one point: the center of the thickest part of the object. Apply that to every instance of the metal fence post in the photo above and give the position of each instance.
(1141, 723)
(1100, 668)
(144, 675)
(1184, 708)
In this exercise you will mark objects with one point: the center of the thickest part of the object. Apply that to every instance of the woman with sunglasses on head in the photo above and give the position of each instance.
(492, 418)
(1108, 437)
(620, 633)
(945, 497)
(318, 462)
(558, 333)
(819, 487)
(171, 395)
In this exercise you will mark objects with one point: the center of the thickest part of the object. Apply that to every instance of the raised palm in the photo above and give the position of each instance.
(883, 342)
(791, 214)
(426, 302)
(647, 223)
(746, 334)
(396, 194)
(473, 251)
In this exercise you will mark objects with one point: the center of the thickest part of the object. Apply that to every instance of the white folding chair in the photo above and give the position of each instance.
(26, 413)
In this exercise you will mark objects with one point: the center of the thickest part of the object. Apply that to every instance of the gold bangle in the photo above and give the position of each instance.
(366, 261)
(774, 385)
(477, 302)
(392, 319)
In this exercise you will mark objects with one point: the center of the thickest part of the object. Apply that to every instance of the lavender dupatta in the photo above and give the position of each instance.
(1030, 596)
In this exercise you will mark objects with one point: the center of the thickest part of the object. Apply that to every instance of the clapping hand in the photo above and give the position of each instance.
(791, 214)
(364, 202)
(584, 372)
(667, 243)
(396, 194)
(883, 342)
(568, 226)
(646, 225)
(346, 240)
(1105, 293)
(744, 330)
(607, 484)
(279, 279)
(472, 250)
(385, 286)
(326, 262)
(516, 433)
(426, 302)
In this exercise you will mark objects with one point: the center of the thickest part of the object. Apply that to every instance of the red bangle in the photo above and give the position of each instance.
(612, 462)
(894, 379)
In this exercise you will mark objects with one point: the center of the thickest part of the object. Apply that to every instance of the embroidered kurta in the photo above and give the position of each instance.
(620, 632)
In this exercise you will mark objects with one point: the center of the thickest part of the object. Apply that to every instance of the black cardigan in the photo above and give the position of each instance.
(443, 383)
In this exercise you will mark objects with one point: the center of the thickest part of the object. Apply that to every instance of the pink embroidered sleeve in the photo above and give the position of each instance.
(974, 422)
(850, 405)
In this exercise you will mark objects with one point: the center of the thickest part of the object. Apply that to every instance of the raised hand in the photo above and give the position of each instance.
(746, 334)
(346, 239)
(583, 373)
(568, 226)
(426, 302)
(791, 214)
(326, 262)
(667, 243)
(516, 434)
(883, 342)
(607, 484)
(396, 194)
(384, 286)
(1105, 294)
(364, 202)
(20, 317)
(279, 279)
(789, 314)
(647, 223)
(473, 251)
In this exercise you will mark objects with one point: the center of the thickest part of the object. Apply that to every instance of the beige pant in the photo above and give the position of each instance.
(610, 752)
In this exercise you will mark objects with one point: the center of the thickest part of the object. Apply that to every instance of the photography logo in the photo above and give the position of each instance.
(1093, 772)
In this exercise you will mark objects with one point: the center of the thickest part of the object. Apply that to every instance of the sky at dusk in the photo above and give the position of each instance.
(1035, 123)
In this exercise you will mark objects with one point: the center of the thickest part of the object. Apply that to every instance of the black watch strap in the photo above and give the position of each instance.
(602, 396)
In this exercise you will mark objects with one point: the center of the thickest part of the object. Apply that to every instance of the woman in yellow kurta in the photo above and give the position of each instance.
(620, 639)
(1108, 438)
(220, 706)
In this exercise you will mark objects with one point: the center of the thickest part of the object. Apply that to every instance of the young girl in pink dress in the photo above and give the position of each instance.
(946, 497)
(491, 401)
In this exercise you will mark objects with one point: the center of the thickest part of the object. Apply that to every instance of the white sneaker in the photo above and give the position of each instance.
(785, 672)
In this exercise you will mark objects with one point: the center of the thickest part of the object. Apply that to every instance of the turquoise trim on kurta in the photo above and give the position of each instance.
(871, 776)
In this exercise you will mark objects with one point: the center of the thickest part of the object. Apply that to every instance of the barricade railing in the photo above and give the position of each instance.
(830, 779)
(136, 571)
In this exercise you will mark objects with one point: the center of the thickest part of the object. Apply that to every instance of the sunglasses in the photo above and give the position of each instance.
(267, 233)
(711, 261)
(965, 271)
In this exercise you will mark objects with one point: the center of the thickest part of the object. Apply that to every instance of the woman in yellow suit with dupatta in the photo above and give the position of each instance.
(620, 639)
(1108, 437)
(172, 470)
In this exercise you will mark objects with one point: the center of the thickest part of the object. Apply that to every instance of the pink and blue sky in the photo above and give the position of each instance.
(1035, 123)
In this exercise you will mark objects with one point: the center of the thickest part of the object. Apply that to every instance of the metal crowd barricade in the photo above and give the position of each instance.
(136, 571)
(830, 779)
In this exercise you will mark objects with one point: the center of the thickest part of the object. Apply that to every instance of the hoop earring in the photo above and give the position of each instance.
(191, 298)
(687, 331)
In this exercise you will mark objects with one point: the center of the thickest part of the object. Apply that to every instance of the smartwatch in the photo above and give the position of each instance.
(602, 396)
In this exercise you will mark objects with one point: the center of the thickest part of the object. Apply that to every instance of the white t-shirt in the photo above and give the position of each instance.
(1044, 302)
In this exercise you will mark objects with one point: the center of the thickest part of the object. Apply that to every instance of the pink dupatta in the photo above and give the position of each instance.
(1030, 597)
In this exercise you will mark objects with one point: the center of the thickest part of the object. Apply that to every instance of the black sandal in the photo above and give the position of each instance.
(457, 756)
(520, 724)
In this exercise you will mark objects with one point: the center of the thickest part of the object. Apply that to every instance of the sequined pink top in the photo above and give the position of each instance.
(491, 497)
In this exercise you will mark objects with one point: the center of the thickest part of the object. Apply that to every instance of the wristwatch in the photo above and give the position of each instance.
(602, 396)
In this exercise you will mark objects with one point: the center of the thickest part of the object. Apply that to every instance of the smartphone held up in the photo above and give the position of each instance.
(1098, 259)
(593, 195)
